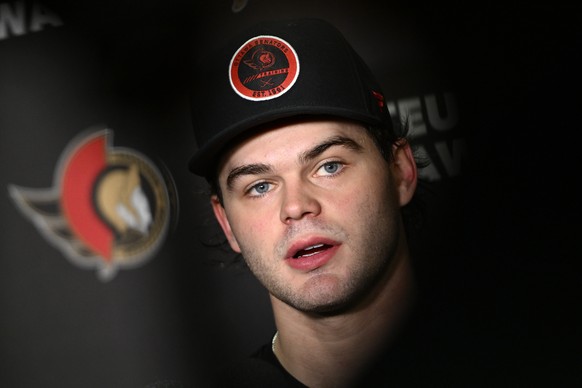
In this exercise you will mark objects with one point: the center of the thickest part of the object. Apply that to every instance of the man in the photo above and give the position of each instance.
(309, 177)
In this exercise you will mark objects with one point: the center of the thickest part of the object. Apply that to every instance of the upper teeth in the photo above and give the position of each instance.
(305, 251)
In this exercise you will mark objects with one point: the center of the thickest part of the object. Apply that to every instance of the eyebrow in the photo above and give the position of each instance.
(304, 158)
(320, 148)
(247, 169)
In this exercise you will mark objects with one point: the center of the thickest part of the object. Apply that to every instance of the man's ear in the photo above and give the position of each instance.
(405, 171)
(220, 214)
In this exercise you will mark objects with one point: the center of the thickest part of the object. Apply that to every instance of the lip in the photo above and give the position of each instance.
(317, 259)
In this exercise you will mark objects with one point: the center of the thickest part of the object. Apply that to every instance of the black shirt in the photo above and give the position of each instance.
(432, 350)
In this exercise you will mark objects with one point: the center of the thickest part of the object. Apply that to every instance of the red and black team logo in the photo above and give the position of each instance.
(263, 68)
(109, 208)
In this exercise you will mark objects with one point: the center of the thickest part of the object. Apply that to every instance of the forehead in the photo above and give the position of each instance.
(289, 139)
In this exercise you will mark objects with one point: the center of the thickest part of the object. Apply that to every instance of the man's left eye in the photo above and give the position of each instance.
(330, 168)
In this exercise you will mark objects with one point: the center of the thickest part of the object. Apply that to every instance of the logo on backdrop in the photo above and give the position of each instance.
(263, 68)
(108, 209)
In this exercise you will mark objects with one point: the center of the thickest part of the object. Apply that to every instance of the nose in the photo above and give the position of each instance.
(299, 200)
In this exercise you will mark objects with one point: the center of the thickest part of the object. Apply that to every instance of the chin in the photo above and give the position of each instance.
(326, 308)
(326, 296)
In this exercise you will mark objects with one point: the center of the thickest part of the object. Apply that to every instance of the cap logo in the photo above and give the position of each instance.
(263, 68)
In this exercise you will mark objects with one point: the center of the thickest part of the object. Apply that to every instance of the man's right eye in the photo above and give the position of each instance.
(259, 189)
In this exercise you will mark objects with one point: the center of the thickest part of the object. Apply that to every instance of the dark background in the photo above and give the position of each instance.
(498, 251)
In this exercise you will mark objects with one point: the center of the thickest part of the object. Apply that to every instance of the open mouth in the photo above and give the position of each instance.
(311, 250)
(312, 253)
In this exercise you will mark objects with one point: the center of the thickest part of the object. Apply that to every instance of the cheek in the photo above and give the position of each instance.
(367, 191)
(370, 201)
(252, 228)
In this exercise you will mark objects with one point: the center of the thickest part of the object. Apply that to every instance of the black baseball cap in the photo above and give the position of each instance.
(277, 70)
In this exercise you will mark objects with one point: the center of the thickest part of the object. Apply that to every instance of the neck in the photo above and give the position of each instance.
(330, 350)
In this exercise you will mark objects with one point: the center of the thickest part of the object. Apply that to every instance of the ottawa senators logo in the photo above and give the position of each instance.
(263, 68)
(109, 207)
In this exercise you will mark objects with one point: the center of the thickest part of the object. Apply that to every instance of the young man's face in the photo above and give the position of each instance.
(314, 209)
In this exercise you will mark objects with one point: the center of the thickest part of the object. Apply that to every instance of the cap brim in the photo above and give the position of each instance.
(206, 158)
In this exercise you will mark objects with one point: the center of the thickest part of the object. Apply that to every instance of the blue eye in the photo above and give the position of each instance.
(260, 188)
(331, 168)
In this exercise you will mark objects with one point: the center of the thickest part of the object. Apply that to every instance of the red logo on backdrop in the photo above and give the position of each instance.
(263, 68)
(109, 208)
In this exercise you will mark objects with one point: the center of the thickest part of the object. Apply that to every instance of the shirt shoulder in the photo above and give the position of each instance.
(261, 369)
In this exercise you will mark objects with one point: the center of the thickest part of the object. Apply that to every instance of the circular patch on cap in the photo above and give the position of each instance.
(263, 68)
